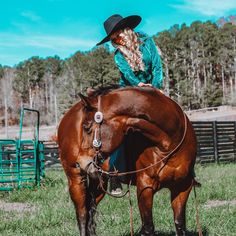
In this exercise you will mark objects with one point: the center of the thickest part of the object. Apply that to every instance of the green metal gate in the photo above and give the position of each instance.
(21, 160)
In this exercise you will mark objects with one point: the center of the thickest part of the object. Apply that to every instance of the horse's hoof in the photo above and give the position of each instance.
(148, 233)
(152, 234)
(181, 234)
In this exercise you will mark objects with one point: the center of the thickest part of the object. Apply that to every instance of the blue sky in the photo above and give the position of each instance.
(62, 27)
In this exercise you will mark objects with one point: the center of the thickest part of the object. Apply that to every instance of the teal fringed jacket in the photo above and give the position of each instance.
(152, 61)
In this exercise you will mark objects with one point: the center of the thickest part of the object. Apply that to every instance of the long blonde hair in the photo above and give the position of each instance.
(131, 50)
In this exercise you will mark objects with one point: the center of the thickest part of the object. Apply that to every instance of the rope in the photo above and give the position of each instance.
(116, 173)
(131, 212)
(121, 196)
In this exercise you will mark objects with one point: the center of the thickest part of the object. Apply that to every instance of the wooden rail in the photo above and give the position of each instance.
(216, 143)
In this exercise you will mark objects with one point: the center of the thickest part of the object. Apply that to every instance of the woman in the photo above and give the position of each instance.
(136, 54)
(139, 63)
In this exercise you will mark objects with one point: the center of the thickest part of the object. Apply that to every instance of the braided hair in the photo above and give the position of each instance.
(131, 50)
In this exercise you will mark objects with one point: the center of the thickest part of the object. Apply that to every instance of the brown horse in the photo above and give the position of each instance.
(159, 141)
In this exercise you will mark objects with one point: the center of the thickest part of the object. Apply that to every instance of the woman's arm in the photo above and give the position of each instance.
(156, 65)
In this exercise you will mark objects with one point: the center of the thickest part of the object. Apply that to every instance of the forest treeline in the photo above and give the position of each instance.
(199, 66)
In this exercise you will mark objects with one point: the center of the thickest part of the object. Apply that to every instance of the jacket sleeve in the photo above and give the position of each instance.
(125, 69)
(157, 80)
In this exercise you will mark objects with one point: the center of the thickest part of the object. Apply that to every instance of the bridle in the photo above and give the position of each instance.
(97, 142)
(98, 118)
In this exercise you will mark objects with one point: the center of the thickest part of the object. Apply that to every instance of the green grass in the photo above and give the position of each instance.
(52, 212)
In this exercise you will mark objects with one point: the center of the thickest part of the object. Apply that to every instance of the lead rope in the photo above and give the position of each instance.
(131, 212)
(121, 196)
(115, 173)
(140, 170)
(199, 228)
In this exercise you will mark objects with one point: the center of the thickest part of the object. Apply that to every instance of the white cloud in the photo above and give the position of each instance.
(208, 7)
(15, 48)
(31, 15)
(10, 59)
(57, 43)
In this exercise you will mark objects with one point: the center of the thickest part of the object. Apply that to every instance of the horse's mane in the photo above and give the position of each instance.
(102, 90)
(92, 93)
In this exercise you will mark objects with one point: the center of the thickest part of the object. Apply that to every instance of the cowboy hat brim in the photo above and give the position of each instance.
(129, 21)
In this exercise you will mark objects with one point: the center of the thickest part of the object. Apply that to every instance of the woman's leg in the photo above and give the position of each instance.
(117, 163)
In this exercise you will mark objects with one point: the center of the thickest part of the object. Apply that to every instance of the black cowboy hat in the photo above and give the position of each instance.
(117, 22)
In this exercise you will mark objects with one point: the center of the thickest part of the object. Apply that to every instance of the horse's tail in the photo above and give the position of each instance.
(54, 138)
(197, 184)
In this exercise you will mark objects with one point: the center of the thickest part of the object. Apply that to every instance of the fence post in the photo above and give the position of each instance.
(215, 142)
(234, 141)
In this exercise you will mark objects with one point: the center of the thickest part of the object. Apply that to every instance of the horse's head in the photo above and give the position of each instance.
(101, 131)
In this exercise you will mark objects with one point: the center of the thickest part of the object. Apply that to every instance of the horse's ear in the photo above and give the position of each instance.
(85, 100)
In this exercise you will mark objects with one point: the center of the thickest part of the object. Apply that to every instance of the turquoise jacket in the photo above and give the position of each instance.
(152, 61)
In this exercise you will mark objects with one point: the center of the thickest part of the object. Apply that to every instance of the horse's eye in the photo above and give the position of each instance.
(87, 127)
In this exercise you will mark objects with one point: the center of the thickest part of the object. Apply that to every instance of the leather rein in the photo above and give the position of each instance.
(97, 143)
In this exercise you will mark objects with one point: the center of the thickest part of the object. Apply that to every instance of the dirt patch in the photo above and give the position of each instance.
(216, 203)
(46, 132)
(16, 206)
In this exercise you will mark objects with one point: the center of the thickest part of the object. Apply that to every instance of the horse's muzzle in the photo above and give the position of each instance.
(87, 165)
(92, 171)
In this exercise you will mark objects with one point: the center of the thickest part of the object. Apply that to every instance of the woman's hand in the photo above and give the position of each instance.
(141, 84)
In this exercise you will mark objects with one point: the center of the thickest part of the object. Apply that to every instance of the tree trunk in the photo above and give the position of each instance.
(223, 82)
(167, 83)
(6, 116)
(46, 96)
(31, 98)
(55, 108)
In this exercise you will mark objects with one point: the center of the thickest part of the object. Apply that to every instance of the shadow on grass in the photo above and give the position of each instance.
(173, 233)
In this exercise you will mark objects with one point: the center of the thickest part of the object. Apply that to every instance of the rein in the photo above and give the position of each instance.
(97, 143)
(97, 119)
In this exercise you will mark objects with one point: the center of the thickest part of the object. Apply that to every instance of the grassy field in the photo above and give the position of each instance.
(49, 211)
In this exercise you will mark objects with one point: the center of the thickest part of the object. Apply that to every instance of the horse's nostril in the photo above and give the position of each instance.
(91, 170)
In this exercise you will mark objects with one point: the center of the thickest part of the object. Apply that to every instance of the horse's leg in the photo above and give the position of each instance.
(85, 201)
(77, 192)
(179, 197)
(94, 196)
(145, 194)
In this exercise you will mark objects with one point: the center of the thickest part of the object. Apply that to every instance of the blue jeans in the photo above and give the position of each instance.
(117, 159)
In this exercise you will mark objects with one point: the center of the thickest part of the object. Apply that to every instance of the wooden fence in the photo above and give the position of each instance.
(216, 143)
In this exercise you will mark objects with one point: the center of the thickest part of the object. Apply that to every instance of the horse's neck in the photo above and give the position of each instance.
(154, 115)
(150, 105)
(158, 117)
